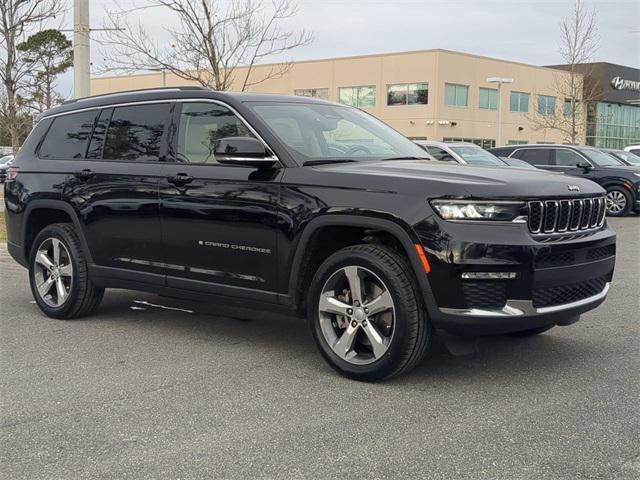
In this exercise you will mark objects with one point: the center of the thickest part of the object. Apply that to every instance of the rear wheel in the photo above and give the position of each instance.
(618, 202)
(366, 316)
(58, 274)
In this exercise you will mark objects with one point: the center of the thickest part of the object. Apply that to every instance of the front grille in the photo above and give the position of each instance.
(485, 295)
(560, 216)
(552, 296)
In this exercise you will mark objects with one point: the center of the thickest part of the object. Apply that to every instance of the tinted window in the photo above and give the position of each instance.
(135, 133)
(201, 126)
(67, 138)
(567, 158)
(99, 131)
(600, 158)
(534, 156)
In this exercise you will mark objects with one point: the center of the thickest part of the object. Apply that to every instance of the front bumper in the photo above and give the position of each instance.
(555, 282)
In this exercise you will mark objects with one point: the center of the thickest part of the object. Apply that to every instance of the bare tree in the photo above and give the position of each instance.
(578, 43)
(210, 44)
(18, 17)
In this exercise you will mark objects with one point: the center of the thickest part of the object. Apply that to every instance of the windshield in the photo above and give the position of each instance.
(477, 156)
(324, 132)
(600, 158)
(628, 157)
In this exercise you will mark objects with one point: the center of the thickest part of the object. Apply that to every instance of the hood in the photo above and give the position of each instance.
(622, 168)
(443, 178)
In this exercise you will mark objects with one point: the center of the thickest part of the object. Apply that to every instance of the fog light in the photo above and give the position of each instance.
(489, 275)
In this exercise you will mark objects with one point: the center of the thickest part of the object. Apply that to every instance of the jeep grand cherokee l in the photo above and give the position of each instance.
(297, 204)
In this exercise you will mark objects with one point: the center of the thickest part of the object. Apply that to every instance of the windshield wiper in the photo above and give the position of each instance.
(328, 161)
(406, 158)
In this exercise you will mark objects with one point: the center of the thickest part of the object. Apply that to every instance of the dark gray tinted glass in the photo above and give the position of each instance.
(67, 138)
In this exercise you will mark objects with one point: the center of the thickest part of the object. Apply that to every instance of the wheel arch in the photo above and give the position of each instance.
(400, 232)
(59, 212)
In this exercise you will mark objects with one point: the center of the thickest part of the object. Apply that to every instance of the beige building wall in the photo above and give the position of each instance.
(435, 120)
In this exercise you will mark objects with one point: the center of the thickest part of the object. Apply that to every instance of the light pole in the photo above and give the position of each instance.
(499, 81)
(161, 70)
(81, 60)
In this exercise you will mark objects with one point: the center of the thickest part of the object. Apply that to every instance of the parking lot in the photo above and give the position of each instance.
(140, 391)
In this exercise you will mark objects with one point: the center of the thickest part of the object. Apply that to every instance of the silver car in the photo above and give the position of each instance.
(460, 152)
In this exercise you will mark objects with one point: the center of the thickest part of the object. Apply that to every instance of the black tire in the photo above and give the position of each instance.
(84, 297)
(412, 329)
(531, 332)
(627, 196)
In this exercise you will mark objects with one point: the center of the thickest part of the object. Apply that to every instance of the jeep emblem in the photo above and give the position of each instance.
(573, 188)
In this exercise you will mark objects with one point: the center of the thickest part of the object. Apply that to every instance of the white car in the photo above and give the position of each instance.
(460, 152)
(635, 149)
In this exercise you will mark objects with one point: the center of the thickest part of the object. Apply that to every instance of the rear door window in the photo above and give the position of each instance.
(534, 156)
(136, 133)
(68, 136)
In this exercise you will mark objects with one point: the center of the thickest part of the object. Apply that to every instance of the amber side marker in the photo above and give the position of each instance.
(422, 257)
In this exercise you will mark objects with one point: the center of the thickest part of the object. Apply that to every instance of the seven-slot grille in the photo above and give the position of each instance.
(559, 216)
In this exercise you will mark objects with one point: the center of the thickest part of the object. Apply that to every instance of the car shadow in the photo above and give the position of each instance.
(496, 359)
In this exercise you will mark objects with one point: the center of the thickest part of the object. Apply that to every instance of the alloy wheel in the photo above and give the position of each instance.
(616, 202)
(357, 315)
(53, 272)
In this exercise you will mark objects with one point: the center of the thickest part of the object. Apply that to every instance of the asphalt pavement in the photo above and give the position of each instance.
(139, 391)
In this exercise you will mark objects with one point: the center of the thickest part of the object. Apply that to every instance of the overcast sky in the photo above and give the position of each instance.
(519, 30)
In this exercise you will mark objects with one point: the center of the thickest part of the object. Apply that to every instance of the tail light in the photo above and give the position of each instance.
(12, 173)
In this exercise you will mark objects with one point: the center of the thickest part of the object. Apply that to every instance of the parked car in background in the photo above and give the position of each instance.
(622, 182)
(625, 157)
(459, 152)
(516, 162)
(633, 149)
(5, 163)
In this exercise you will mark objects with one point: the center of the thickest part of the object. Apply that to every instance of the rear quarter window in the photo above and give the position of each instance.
(68, 136)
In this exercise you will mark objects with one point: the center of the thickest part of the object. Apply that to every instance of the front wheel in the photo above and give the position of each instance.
(618, 202)
(365, 313)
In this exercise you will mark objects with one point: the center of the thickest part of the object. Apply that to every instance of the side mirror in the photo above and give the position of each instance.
(243, 151)
(584, 165)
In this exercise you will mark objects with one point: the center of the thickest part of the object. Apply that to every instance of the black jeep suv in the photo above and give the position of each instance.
(622, 182)
(297, 204)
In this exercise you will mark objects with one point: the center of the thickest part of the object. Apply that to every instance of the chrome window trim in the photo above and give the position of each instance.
(173, 100)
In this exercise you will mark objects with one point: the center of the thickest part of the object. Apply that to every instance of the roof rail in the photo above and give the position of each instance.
(139, 90)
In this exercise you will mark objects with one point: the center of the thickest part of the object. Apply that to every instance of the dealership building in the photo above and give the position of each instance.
(446, 95)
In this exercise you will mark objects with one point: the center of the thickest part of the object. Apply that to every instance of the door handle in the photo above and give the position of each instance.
(85, 174)
(180, 179)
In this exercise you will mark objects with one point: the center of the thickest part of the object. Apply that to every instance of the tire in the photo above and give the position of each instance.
(531, 332)
(618, 202)
(404, 328)
(78, 296)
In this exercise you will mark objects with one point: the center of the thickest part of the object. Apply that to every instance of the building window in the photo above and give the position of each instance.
(517, 142)
(546, 105)
(361, 97)
(612, 125)
(519, 102)
(488, 98)
(322, 93)
(408, 94)
(456, 95)
(485, 143)
(567, 108)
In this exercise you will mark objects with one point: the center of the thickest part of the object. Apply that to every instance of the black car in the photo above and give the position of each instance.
(622, 182)
(299, 205)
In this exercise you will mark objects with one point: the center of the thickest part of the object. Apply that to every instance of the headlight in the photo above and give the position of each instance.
(478, 210)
